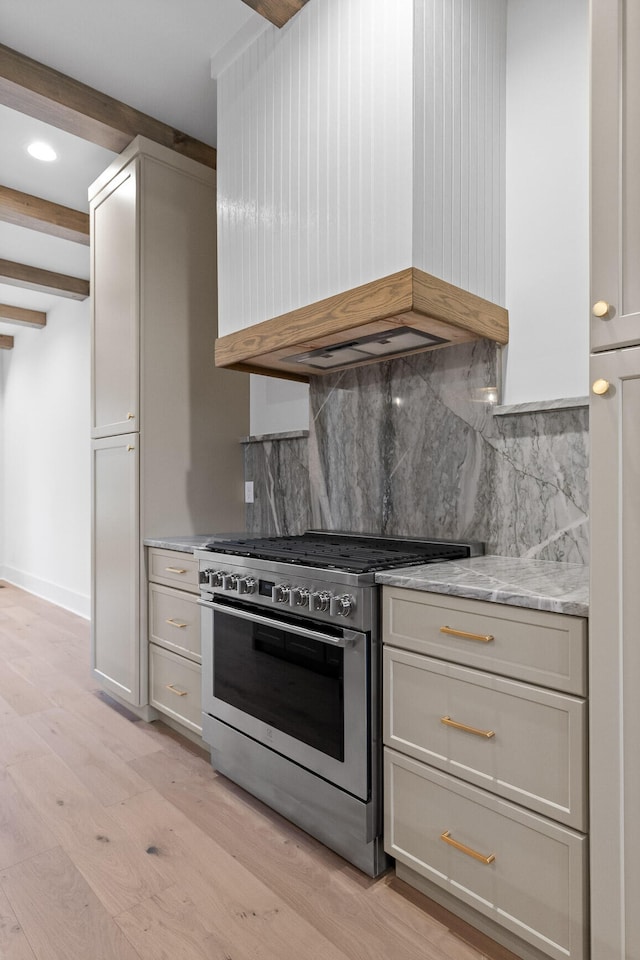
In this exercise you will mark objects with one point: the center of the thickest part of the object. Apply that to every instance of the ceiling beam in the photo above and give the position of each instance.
(27, 318)
(39, 91)
(6, 343)
(277, 11)
(25, 210)
(45, 281)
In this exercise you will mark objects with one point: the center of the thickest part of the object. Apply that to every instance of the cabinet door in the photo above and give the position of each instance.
(615, 161)
(524, 871)
(615, 657)
(522, 742)
(114, 307)
(115, 640)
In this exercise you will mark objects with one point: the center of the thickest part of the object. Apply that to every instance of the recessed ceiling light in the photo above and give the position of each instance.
(42, 151)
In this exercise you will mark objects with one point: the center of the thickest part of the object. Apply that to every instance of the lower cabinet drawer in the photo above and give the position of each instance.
(174, 569)
(535, 646)
(523, 742)
(174, 687)
(174, 620)
(523, 871)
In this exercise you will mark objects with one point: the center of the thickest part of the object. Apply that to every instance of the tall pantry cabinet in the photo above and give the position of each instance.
(165, 422)
(615, 482)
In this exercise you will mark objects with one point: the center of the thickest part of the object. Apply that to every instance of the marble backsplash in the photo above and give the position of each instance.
(411, 447)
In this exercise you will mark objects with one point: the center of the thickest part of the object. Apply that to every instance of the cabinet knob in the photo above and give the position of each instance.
(131, 416)
(601, 308)
(600, 387)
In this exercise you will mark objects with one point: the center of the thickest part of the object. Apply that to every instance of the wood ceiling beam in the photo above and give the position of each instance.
(27, 318)
(25, 210)
(39, 91)
(6, 343)
(277, 11)
(45, 281)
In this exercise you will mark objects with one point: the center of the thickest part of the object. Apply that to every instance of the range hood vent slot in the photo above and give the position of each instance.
(376, 345)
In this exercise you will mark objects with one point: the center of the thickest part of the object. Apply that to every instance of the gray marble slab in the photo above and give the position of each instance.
(279, 469)
(536, 584)
(190, 543)
(410, 447)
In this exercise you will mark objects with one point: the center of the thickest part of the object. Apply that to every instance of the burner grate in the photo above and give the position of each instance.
(350, 554)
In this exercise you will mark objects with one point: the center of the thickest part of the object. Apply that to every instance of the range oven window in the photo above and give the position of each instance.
(289, 682)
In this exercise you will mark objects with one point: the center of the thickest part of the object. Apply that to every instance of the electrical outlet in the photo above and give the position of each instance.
(248, 491)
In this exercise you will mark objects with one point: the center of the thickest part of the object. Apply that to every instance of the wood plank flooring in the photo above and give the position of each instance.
(119, 842)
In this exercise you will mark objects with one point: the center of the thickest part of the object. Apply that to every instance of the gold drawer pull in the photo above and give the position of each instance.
(176, 623)
(174, 570)
(462, 726)
(484, 638)
(446, 836)
(131, 416)
(178, 693)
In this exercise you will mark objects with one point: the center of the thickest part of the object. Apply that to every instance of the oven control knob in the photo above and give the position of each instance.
(280, 593)
(229, 581)
(216, 577)
(298, 597)
(320, 600)
(342, 606)
(205, 576)
(246, 585)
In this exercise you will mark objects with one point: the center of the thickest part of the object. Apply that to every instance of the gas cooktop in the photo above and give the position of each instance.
(351, 553)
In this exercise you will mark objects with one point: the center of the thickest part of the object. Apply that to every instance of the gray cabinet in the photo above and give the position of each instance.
(115, 358)
(615, 656)
(115, 660)
(156, 389)
(485, 775)
(615, 184)
(174, 638)
(614, 429)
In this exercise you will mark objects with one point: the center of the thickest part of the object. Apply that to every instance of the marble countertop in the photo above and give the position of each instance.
(191, 543)
(537, 584)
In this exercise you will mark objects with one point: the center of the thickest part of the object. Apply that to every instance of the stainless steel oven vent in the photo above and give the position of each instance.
(374, 346)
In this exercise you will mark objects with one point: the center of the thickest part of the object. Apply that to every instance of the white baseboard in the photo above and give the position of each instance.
(68, 599)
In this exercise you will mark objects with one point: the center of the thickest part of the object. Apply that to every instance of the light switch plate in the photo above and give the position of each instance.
(248, 491)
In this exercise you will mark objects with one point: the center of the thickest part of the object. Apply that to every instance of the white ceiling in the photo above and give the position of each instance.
(154, 55)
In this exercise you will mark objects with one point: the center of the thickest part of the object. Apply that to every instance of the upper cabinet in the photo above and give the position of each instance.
(356, 165)
(615, 146)
(114, 390)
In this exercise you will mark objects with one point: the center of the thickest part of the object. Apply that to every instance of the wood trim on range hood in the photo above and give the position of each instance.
(410, 298)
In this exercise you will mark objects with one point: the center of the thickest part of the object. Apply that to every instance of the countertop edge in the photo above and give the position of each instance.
(572, 608)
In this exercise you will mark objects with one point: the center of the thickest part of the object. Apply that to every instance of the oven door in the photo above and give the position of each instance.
(300, 689)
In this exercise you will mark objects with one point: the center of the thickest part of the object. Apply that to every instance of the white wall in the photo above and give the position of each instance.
(46, 458)
(459, 143)
(2, 460)
(547, 200)
(277, 406)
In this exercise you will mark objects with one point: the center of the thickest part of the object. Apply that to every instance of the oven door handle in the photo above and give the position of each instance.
(348, 639)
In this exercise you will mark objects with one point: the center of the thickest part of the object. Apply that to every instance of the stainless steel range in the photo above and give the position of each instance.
(291, 685)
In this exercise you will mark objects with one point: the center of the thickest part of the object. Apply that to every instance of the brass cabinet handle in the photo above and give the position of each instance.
(463, 726)
(176, 623)
(484, 638)
(446, 836)
(178, 693)
(600, 387)
(130, 447)
(601, 309)
(131, 416)
(174, 570)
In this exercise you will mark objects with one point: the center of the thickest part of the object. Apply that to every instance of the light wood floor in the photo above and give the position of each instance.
(119, 842)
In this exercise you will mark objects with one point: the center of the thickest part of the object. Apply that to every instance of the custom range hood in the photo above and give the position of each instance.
(404, 313)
